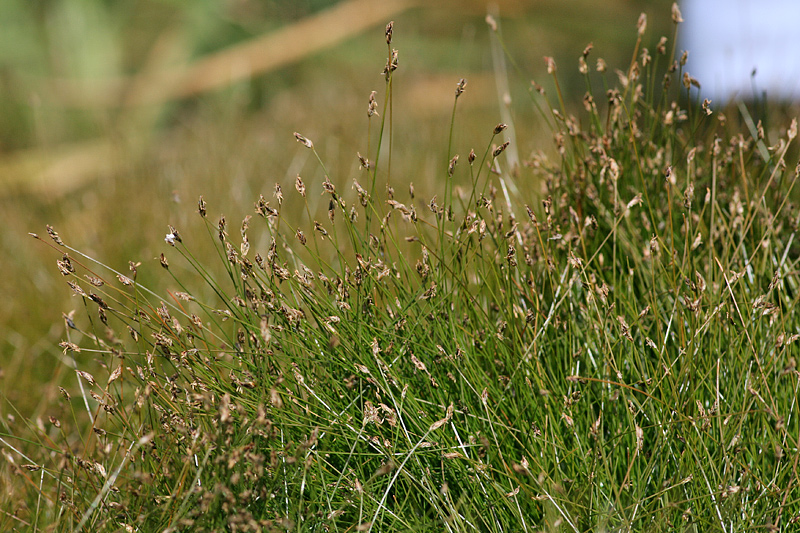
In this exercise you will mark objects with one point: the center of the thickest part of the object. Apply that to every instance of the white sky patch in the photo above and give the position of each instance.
(728, 39)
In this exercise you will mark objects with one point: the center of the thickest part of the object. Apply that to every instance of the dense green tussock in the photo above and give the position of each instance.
(598, 340)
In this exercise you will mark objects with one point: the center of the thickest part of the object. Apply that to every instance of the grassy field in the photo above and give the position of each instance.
(559, 305)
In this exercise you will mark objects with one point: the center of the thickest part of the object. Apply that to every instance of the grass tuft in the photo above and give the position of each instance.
(608, 344)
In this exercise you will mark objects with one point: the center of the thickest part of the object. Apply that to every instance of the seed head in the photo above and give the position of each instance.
(661, 47)
(328, 186)
(87, 376)
(641, 24)
(391, 65)
(499, 128)
(676, 14)
(551, 64)
(462, 83)
(303, 140)
(500, 149)
(65, 266)
(172, 236)
(452, 166)
(373, 104)
(363, 160)
(300, 186)
(201, 207)
(54, 235)
(389, 32)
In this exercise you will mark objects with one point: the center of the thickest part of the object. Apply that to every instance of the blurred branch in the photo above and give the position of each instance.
(57, 171)
(61, 169)
(240, 62)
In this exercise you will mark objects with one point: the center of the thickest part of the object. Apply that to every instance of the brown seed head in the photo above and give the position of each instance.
(328, 186)
(201, 207)
(363, 160)
(462, 83)
(65, 266)
(303, 140)
(500, 149)
(452, 166)
(389, 32)
(499, 128)
(373, 104)
(300, 186)
(54, 235)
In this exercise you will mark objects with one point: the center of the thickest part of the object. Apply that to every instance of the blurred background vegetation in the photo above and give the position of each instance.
(116, 116)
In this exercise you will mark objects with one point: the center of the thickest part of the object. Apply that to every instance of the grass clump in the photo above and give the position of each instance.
(597, 340)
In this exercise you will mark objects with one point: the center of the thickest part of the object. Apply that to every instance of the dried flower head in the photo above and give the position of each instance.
(462, 83)
(172, 236)
(661, 47)
(373, 104)
(328, 186)
(452, 166)
(676, 14)
(550, 63)
(500, 149)
(303, 140)
(389, 32)
(65, 265)
(54, 235)
(363, 160)
(300, 186)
